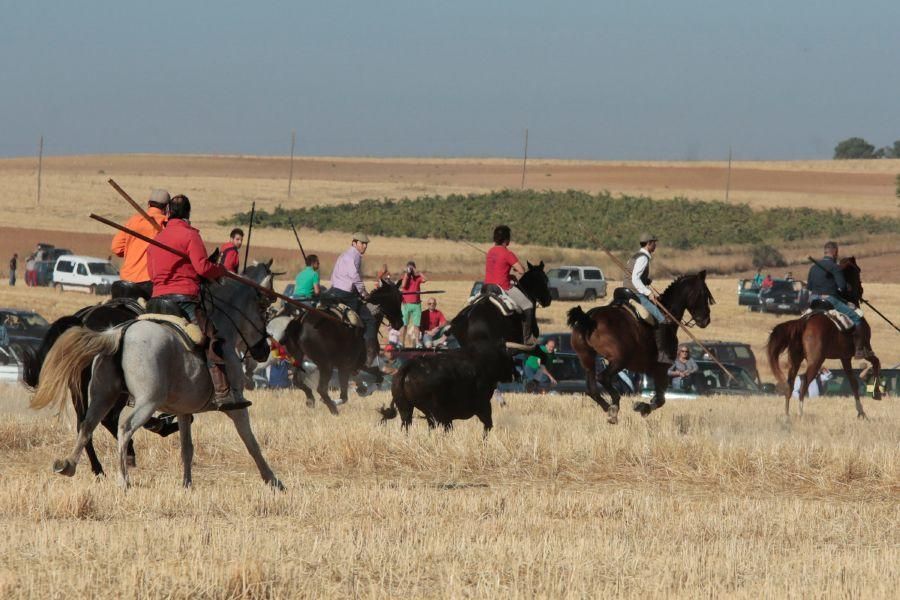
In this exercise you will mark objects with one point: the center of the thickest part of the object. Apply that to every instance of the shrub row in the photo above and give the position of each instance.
(557, 218)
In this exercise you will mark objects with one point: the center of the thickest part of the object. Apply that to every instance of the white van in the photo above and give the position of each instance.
(84, 274)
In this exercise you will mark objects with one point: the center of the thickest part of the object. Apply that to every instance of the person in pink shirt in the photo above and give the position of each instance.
(347, 287)
(501, 267)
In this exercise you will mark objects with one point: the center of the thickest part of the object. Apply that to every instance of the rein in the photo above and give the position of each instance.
(213, 300)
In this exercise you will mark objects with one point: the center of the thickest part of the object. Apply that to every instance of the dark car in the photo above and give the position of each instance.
(839, 384)
(710, 380)
(748, 293)
(734, 353)
(784, 297)
(25, 328)
(563, 341)
(570, 378)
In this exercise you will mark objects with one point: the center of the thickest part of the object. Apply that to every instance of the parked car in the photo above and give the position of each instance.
(711, 380)
(570, 378)
(576, 283)
(47, 260)
(10, 365)
(839, 384)
(748, 293)
(25, 328)
(84, 273)
(563, 341)
(735, 353)
(786, 296)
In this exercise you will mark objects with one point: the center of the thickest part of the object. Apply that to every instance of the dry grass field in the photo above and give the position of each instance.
(717, 497)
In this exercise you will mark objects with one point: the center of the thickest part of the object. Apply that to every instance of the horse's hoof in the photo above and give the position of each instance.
(876, 395)
(643, 408)
(613, 415)
(131, 461)
(310, 403)
(862, 417)
(64, 467)
(333, 409)
(276, 485)
(186, 484)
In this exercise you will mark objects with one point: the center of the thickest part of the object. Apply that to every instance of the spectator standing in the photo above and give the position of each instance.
(306, 284)
(229, 252)
(758, 279)
(536, 367)
(30, 273)
(13, 265)
(4, 336)
(768, 282)
(683, 369)
(410, 285)
(434, 325)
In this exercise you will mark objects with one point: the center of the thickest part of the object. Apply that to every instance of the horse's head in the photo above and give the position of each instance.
(387, 298)
(690, 293)
(245, 309)
(535, 283)
(852, 275)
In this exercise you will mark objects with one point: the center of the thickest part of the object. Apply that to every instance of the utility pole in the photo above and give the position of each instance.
(40, 167)
(525, 159)
(728, 179)
(291, 175)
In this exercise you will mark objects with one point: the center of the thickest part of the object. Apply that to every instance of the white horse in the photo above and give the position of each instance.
(150, 361)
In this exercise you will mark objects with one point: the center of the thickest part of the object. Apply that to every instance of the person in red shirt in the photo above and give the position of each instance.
(434, 325)
(178, 281)
(501, 267)
(411, 306)
(229, 252)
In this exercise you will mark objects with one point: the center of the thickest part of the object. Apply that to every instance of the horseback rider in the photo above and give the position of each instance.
(500, 267)
(230, 251)
(637, 279)
(178, 281)
(826, 282)
(348, 288)
(134, 251)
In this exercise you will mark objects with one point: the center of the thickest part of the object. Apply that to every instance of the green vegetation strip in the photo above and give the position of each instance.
(551, 218)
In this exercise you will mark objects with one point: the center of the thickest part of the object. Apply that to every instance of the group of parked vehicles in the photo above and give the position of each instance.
(783, 297)
(63, 270)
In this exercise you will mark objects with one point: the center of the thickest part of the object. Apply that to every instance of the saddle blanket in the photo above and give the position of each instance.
(840, 320)
(641, 312)
(191, 335)
(345, 313)
(504, 303)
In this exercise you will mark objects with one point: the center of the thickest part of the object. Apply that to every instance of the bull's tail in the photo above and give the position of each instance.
(580, 322)
(70, 355)
(783, 336)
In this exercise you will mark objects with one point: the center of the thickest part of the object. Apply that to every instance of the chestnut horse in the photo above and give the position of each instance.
(614, 333)
(815, 338)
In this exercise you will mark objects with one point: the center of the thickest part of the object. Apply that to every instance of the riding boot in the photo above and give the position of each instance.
(528, 337)
(664, 353)
(860, 347)
(224, 399)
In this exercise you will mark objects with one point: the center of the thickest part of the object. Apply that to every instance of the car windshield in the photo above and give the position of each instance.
(558, 273)
(717, 379)
(783, 287)
(22, 321)
(102, 268)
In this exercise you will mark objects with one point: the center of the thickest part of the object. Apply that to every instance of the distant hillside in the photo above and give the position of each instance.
(553, 218)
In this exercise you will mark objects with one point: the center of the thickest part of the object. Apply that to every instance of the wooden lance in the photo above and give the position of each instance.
(135, 206)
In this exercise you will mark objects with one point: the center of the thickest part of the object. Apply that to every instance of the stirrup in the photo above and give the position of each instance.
(232, 405)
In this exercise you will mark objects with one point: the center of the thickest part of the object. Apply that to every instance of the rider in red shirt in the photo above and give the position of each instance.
(500, 267)
(177, 281)
(229, 252)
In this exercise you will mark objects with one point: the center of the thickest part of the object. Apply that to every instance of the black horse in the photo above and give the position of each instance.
(332, 345)
(482, 321)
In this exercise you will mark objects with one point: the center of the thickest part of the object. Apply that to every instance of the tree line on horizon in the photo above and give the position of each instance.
(858, 148)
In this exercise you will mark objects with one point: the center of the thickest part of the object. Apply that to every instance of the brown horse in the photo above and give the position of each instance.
(816, 338)
(614, 333)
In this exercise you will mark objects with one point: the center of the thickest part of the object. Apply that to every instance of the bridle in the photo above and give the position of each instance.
(262, 302)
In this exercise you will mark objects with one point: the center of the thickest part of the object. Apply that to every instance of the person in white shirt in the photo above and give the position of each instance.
(816, 386)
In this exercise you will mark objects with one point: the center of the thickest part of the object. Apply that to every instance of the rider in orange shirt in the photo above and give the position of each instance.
(134, 250)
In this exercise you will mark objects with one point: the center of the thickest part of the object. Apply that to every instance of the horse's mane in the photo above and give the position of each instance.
(681, 281)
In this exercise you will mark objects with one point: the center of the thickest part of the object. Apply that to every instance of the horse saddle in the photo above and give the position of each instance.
(343, 312)
(191, 335)
(628, 300)
(506, 305)
(840, 320)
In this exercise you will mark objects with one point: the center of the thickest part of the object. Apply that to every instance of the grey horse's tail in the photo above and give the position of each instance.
(69, 356)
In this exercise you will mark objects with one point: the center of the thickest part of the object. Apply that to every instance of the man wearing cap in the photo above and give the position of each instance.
(637, 279)
(347, 287)
(826, 282)
(134, 250)
(178, 281)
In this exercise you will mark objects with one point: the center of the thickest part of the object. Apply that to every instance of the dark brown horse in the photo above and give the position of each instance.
(614, 333)
(816, 338)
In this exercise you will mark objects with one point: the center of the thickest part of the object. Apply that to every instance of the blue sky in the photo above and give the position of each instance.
(603, 80)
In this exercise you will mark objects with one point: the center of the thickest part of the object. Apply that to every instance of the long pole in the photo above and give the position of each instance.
(525, 159)
(249, 233)
(40, 167)
(470, 245)
(728, 179)
(228, 274)
(291, 172)
(135, 205)
(297, 237)
(665, 310)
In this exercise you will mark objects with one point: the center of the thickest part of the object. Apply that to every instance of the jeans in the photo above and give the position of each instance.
(839, 305)
(647, 303)
(535, 375)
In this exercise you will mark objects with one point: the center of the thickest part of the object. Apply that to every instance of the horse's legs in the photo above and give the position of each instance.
(854, 386)
(111, 422)
(187, 447)
(325, 370)
(241, 420)
(813, 364)
(103, 391)
(344, 379)
(876, 371)
(660, 383)
(144, 407)
(484, 415)
(606, 380)
(793, 368)
(590, 373)
(300, 383)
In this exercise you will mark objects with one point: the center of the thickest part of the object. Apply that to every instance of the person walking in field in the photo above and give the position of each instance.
(133, 250)
(229, 252)
(178, 281)
(637, 279)
(13, 265)
(501, 267)
(410, 285)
